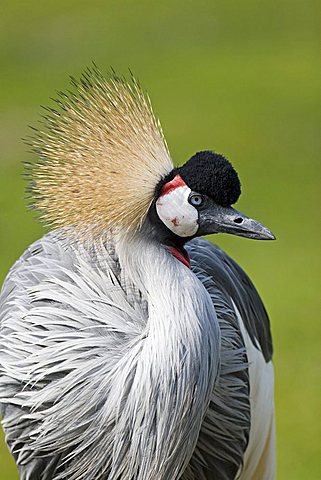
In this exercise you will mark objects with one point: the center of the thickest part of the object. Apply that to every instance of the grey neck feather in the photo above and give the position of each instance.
(175, 363)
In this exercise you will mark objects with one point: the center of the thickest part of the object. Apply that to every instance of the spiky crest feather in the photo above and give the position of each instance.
(101, 156)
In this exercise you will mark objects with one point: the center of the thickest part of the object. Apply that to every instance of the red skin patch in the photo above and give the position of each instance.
(181, 255)
(175, 222)
(172, 185)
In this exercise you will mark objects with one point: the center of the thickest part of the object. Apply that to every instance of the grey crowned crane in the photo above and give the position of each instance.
(131, 349)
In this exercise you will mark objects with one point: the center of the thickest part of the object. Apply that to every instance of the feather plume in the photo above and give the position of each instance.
(101, 156)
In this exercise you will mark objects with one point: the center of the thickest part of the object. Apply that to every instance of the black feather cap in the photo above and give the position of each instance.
(210, 174)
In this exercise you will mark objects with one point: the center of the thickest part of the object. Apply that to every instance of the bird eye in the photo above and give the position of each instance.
(196, 200)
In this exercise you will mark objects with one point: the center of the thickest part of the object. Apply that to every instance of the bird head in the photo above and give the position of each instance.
(104, 165)
(195, 199)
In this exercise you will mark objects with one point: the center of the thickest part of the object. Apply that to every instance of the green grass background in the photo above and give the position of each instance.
(241, 78)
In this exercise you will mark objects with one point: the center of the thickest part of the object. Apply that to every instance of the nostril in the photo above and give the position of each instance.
(238, 220)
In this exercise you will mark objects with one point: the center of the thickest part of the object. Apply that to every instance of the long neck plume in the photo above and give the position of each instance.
(175, 362)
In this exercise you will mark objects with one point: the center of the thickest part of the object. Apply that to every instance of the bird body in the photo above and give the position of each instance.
(129, 348)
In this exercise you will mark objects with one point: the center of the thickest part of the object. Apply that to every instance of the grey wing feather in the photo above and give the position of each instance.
(234, 282)
(225, 431)
(60, 311)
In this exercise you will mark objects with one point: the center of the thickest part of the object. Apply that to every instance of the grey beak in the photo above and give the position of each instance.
(229, 220)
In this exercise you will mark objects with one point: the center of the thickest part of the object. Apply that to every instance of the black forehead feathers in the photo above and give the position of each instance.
(211, 174)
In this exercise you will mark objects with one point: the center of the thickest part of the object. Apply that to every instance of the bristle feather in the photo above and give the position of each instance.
(102, 154)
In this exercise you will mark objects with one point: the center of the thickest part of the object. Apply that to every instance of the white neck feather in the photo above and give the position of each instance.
(175, 361)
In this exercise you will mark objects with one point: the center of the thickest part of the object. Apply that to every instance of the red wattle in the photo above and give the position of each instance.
(181, 255)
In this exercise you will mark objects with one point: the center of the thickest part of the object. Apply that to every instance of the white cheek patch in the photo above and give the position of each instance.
(177, 213)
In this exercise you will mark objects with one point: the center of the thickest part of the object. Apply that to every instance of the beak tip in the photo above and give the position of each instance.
(270, 236)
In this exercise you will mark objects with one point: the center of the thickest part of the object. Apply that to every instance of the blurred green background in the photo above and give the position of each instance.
(241, 78)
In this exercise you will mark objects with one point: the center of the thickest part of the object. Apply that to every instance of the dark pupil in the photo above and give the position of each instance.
(196, 199)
